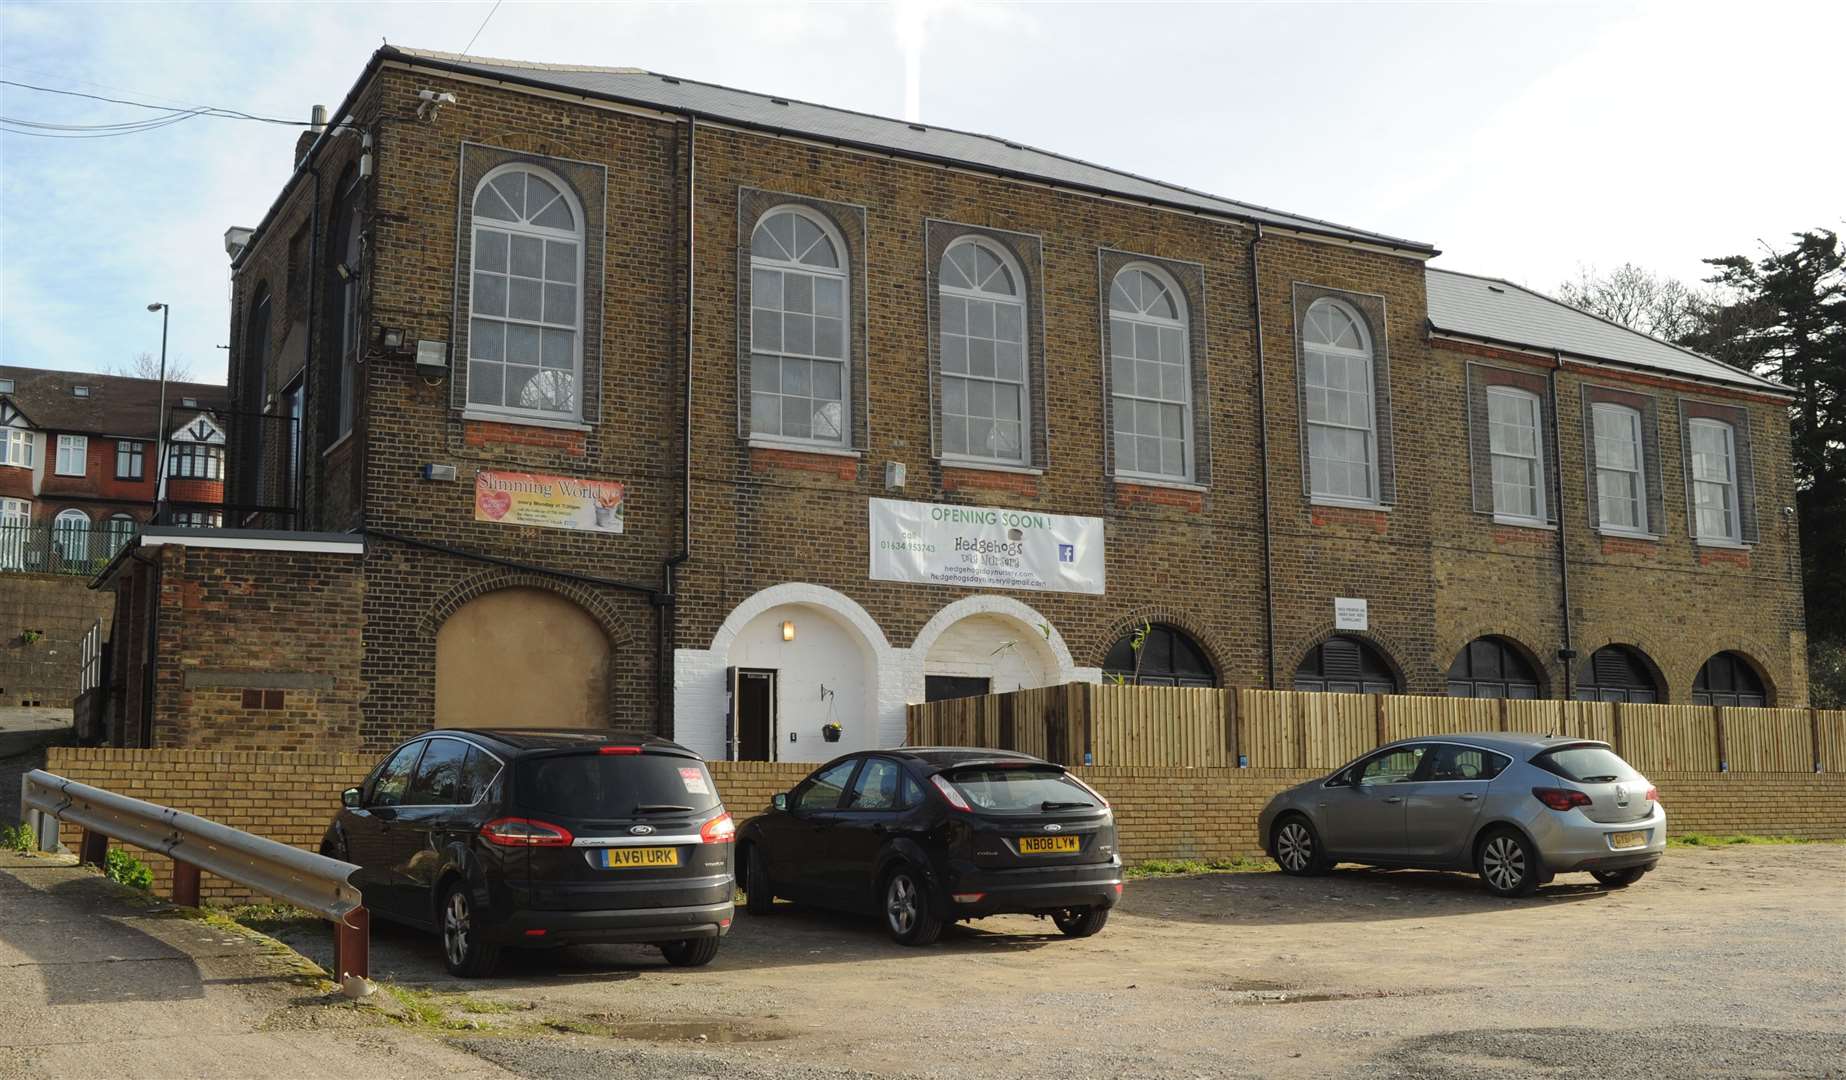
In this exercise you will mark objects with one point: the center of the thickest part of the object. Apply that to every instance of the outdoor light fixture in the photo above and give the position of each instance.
(788, 630)
(345, 272)
(391, 337)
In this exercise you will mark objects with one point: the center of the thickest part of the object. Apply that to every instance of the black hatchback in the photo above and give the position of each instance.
(537, 839)
(932, 835)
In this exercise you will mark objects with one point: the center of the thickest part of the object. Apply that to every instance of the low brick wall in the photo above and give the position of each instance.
(1162, 813)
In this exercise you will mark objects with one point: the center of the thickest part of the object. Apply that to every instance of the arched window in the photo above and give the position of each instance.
(121, 529)
(798, 320)
(1346, 665)
(1617, 673)
(71, 534)
(1150, 375)
(525, 354)
(1491, 668)
(985, 396)
(347, 267)
(1167, 657)
(1337, 382)
(1729, 679)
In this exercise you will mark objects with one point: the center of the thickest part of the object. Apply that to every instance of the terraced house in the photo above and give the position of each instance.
(655, 404)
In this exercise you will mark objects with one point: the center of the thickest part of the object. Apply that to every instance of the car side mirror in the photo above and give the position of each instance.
(349, 797)
(779, 800)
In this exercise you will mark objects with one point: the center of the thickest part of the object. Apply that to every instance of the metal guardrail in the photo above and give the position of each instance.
(302, 878)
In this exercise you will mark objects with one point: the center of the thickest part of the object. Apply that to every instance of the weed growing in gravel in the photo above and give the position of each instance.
(125, 869)
(1172, 867)
(19, 838)
(1710, 840)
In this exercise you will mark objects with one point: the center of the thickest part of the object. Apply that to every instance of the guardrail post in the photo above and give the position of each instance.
(185, 884)
(352, 945)
(94, 849)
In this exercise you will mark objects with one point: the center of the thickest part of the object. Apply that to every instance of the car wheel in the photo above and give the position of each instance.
(693, 952)
(1507, 863)
(462, 949)
(1080, 922)
(1619, 879)
(759, 898)
(1297, 847)
(910, 916)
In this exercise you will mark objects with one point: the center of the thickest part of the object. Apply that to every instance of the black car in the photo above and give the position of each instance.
(540, 839)
(931, 835)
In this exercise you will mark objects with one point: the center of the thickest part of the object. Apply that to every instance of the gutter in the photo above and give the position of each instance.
(1567, 653)
(1773, 390)
(1262, 450)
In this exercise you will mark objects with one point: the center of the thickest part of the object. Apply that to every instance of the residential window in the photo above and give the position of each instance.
(1345, 665)
(130, 459)
(73, 454)
(198, 519)
(799, 296)
(524, 337)
(15, 513)
(70, 532)
(16, 448)
(1621, 476)
(1341, 422)
(1150, 376)
(1517, 448)
(1162, 656)
(6, 386)
(983, 336)
(15, 521)
(1618, 673)
(1729, 679)
(1491, 668)
(1714, 480)
(195, 461)
(121, 529)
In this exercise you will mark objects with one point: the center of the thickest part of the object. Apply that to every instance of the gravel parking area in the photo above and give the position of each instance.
(1726, 961)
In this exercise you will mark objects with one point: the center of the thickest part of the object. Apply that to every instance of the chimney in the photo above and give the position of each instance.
(317, 123)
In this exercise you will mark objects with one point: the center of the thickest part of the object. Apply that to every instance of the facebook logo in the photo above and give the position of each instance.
(1067, 553)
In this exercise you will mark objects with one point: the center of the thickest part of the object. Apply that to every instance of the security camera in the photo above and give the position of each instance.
(430, 101)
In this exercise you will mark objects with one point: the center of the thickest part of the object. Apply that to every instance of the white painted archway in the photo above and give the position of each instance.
(995, 637)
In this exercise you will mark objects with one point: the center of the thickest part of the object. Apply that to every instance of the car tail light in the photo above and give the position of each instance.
(1561, 798)
(1653, 794)
(719, 830)
(525, 832)
(967, 897)
(618, 750)
(949, 793)
(1118, 888)
(535, 933)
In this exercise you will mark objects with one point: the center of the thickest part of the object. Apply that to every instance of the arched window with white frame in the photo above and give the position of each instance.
(1338, 395)
(1150, 362)
(71, 534)
(525, 347)
(800, 344)
(986, 394)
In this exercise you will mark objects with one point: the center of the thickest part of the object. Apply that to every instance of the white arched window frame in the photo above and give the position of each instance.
(986, 391)
(1516, 442)
(71, 532)
(525, 331)
(351, 333)
(1151, 375)
(1339, 394)
(121, 529)
(1714, 481)
(800, 329)
(1621, 468)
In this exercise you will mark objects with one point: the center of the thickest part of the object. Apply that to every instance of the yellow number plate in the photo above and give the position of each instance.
(1627, 839)
(619, 858)
(1049, 845)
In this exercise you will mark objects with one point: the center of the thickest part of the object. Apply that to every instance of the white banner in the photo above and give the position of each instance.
(985, 547)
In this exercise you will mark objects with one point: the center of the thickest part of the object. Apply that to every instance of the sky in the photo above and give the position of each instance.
(1524, 140)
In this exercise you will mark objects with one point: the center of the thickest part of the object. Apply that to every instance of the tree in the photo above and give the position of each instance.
(147, 366)
(1661, 307)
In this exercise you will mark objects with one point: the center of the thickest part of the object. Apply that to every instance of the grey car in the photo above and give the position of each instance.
(1517, 809)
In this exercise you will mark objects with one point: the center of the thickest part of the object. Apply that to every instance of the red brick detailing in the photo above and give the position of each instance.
(1376, 520)
(1492, 353)
(1192, 502)
(1021, 484)
(488, 433)
(1519, 534)
(1681, 385)
(195, 491)
(1729, 556)
(1625, 545)
(763, 459)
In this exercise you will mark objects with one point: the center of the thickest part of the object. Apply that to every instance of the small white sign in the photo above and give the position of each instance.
(1349, 614)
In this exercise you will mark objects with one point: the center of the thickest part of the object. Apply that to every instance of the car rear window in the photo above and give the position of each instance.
(612, 785)
(1585, 764)
(1019, 790)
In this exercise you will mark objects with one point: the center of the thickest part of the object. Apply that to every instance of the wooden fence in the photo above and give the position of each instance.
(1088, 723)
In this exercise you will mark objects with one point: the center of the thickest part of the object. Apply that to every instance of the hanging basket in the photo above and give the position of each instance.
(830, 732)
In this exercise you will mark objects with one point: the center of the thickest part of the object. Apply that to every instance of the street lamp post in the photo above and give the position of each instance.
(160, 426)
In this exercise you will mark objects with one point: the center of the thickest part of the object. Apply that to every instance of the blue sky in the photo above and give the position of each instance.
(1523, 140)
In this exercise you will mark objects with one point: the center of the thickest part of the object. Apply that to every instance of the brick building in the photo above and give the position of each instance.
(665, 406)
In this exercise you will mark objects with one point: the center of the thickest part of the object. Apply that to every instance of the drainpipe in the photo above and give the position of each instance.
(150, 653)
(1566, 654)
(663, 604)
(1262, 449)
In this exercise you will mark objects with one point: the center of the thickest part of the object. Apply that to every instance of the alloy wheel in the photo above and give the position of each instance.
(901, 903)
(1504, 863)
(1294, 846)
(455, 928)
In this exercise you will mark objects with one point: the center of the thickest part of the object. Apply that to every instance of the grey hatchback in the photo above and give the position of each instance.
(1516, 808)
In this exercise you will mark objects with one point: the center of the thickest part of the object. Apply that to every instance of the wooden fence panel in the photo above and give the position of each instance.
(1769, 740)
(1408, 716)
(1831, 751)
(1540, 717)
(1670, 738)
(1158, 725)
(1268, 734)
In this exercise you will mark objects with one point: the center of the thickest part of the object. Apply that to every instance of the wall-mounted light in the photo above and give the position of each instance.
(391, 338)
(788, 630)
(345, 272)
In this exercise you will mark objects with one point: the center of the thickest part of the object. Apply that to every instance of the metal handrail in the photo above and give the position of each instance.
(302, 878)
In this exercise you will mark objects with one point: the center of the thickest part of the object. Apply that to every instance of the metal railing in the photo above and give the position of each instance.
(49, 548)
(90, 658)
(302, 878)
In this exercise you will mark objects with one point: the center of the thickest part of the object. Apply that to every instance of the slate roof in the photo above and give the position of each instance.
(1495, 310)
(116, 405)
(843, 126)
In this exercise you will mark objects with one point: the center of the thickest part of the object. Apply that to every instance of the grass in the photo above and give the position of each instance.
(1174, 867)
